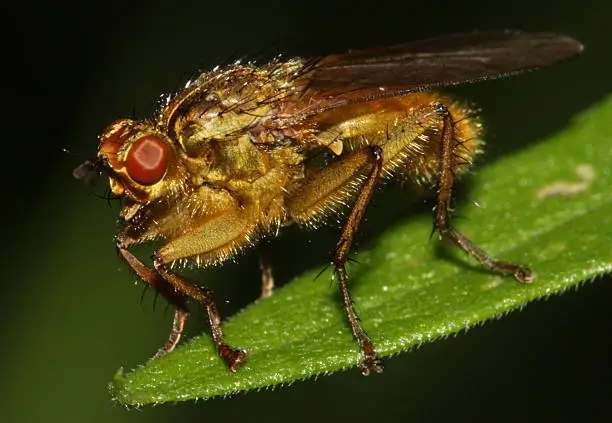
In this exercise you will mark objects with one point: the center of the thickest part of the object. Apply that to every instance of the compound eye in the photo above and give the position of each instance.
(147, 160)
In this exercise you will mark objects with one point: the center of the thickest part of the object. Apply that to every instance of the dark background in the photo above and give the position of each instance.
(70, 310)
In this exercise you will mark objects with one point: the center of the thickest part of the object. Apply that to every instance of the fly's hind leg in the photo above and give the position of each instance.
(360, 171)
(442, 219)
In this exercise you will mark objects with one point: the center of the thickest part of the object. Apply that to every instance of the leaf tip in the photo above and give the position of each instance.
(117, 388)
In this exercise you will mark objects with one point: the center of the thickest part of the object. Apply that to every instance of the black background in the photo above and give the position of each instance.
(71, 316)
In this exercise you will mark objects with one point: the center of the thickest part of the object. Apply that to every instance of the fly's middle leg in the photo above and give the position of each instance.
(267, 278)
(370, 362)
(355, 175)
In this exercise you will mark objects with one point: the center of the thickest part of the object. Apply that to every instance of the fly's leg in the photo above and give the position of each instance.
(357, 173)
(340, 257)
(267, 279)
(233, 358)
(163, 287)
(442, 218)
(211, 241)
(178, 325)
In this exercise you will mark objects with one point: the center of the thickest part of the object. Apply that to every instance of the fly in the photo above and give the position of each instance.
(231, 158)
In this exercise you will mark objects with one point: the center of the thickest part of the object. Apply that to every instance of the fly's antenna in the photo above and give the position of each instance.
(89, 171)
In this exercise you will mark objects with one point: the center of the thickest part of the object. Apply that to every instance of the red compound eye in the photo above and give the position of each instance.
(147, 160)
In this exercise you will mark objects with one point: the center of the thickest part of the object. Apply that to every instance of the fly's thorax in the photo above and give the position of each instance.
(142, 161)
(226, 103)
(225, 123)
(217, 123)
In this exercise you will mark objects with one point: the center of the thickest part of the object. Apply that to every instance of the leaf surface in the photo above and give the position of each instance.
(549, 207)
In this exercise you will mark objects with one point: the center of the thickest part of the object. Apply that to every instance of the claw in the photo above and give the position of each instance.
(369, 365)
(234, 358)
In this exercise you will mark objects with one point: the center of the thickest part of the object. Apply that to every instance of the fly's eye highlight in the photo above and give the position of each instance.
(147, 160)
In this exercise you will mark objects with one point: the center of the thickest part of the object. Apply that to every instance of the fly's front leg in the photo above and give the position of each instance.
(209, 242)
(204, 296)
(442, 219)
(163, 287)
(336, 183)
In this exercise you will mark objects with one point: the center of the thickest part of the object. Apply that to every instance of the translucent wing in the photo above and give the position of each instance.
(448, 60)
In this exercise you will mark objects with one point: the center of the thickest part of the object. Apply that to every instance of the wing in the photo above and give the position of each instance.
(364, 75)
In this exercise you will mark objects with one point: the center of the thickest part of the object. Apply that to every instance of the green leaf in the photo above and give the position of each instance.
(534, 209)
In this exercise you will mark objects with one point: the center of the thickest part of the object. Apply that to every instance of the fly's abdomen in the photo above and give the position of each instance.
(409, 130)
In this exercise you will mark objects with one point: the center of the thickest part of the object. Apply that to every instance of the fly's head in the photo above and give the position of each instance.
(141, 161)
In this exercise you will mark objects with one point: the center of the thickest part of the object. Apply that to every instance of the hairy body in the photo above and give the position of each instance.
(244, 150)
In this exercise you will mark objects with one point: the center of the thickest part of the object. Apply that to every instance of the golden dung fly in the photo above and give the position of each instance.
(247, 149)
